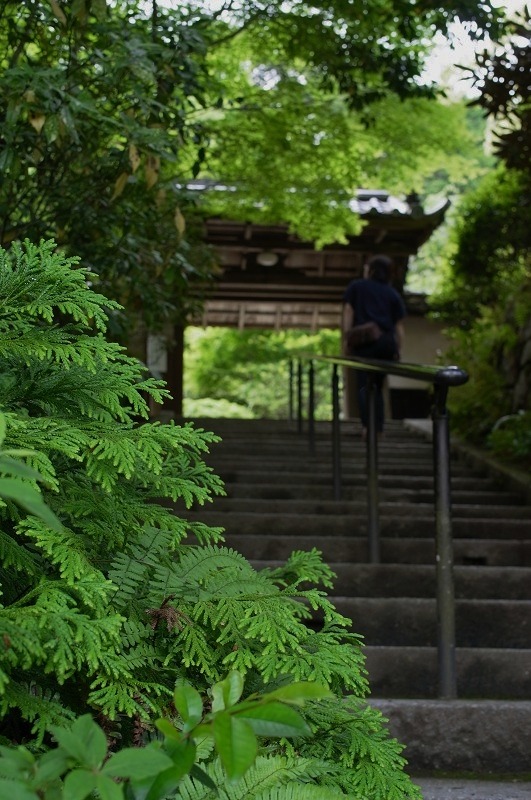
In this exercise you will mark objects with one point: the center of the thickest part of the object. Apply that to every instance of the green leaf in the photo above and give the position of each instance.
(166, 782)
(274, 719)
(227, 692)
(16, 791)
(203, 777)
(85, 741)
(297, 693)
(15, 761)
(30, 499)
(108, 789)
(79, 784)
(12, 466)
(137, 763)
(51, 765)
(188, 703)
(169, 730)
(235, 743)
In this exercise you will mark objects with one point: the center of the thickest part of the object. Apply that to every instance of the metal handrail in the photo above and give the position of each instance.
(442, 379)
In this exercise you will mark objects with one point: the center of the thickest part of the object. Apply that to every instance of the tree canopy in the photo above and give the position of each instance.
(110, 109)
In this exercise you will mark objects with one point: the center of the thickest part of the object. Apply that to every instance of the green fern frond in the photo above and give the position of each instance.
(303, 566)
(13, 555)
(107, 520)
(205, 534)
(272, 777)
(305, 791)
(56, 282)
(64, 548)
(127, 696)
(21, 644)
(191, 647)
(39, 707)
(128, 575)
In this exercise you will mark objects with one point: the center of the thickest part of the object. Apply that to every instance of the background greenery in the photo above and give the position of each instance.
(251, 371)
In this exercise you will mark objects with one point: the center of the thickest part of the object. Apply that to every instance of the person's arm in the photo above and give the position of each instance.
(348, 322)
(399, 332)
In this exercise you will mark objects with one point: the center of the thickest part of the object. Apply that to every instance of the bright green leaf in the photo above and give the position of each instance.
(30, 499)
(108, 789)
(51, 765)
(16, 791)
(183, 760)
(15, 761)
(297, 693)
(188, 703)
(137, 763)
(85, 741)
(274, 719)
(227, 692)
(79, 784)
(14, 467)
(236, 744)
(169, 730)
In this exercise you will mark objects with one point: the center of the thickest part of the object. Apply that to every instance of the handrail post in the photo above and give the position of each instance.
(444, 547)
(299, 396)
(336, 434)
(291, 382)
(311, 408)
(372, 473)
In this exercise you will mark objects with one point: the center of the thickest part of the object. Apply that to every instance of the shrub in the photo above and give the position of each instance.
(103, 613)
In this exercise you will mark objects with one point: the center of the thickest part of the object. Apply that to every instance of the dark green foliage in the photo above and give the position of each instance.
(488, 296)
(107, 110)
(511, 438)
(81, 761)
(106, 611)
(493, 239)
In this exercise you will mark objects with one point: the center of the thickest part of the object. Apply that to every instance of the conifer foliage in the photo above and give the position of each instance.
(104, 612)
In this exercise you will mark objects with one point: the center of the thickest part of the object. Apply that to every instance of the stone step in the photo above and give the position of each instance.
(412, 672)
(274, 491)
(419, 580)
(412, 621)
(474, 736)
(473, 788)
(289, 478)
(358, 507)
(268, 466)
(484, 552)
(293, 460)
(324, 525)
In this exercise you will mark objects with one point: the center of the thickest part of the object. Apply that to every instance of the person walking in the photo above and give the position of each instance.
(372, 327)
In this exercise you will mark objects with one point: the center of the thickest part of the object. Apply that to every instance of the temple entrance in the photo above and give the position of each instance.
(270, 279)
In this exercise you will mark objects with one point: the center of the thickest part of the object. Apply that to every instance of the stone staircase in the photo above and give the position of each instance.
(280, 499)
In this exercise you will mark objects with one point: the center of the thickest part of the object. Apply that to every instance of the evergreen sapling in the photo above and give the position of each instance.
(105, 612)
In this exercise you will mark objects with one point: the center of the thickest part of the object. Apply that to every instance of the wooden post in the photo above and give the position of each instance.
(175, 371)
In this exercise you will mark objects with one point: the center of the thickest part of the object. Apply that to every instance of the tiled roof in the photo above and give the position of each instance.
(367, 202)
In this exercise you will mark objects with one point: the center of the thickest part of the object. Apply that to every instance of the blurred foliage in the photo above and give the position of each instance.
(502, 78)
(491, 236)
(108, 110)
(511, 438)
(429, 270)
(250, 368)
(95, 103)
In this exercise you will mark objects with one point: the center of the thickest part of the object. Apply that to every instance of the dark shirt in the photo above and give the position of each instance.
(373, 301)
